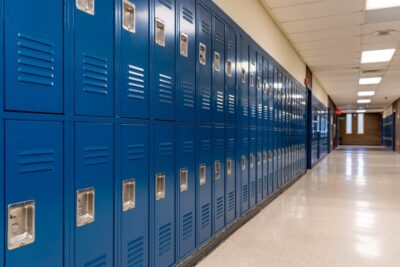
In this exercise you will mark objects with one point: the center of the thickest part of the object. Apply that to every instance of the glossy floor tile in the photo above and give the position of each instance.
(344, 212)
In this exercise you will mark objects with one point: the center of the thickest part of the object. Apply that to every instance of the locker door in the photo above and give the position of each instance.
(230, 171)
(2, 184)
(253, 166)
(93, 194)
(185, 172)
(93, 70)
(163, 96)
(134, 55)
(204, 65)
(218, 66)
(134, 200)
(164, 196)
(265, 163)
(253, 86)
(34, 56)
(230, 76)
(243, 84)
(259, 86)
(186, 89)
(244, 168)
(33, 165)
(203, 184)
(218, 171)
(259, 163)
(276, 163)
(266, 124)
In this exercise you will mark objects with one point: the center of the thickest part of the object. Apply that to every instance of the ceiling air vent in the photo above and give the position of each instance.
(367, 72)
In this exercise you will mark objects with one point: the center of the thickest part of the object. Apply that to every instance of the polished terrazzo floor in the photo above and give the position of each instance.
(345, 212)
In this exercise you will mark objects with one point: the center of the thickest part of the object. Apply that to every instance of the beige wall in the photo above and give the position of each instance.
(319, 92)
(255, 20)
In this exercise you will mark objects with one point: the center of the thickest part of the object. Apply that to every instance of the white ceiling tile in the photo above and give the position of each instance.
(283, 3)
(330, 34)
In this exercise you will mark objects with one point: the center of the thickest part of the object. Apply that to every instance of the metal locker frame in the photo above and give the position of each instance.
(252, 85)
(230, 174)
(243, 168)
(252, 166)
(218, 71)
(218, 181)
(230, 76)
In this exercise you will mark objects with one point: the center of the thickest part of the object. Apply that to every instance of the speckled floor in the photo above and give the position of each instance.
(345, 212)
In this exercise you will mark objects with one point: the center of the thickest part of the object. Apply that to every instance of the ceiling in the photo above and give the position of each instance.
(330, 36)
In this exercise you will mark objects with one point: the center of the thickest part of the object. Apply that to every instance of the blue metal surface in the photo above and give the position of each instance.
(252, 86)
(243, 83)
(230, 79)
(230, 181)
(218, 177)
(259, 163)
(218, 88)
(243, 167)
(253, 166)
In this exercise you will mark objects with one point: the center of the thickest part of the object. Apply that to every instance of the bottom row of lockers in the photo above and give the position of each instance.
(70, 188)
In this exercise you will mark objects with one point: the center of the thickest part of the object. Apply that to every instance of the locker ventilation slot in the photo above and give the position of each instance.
(94, 75)
(167, 3)
(231, 104)
(253, 189)
(205, 145)
(220, 101)
(219, 144)
(136, 83)
(188, 147)
(205, 215)
(245, 105)
(231, 46)
(231, 201)
(36, 161)
(205, 98)
(165, 89)
(35, 61)
(220, 207)
(164, 243)
(135, 252)
(98, 262)
(165, 149)
(219, 38)
(187, 226)
(205, 28)
(188, 94)
(187, 15)
(135, 152)
(231, 143)
(95, 155)
(245, 194)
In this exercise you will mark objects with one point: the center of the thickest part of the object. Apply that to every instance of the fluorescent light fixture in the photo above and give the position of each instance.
(363, 101)
(375, 56)
(374, 80)
(361, 111)
(379, 4)
(366, 93)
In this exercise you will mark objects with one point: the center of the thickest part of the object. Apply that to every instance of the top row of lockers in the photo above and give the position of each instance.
(156, 59)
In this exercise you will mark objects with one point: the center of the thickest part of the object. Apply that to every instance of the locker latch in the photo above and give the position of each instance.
(86, 6)
(251, 160)
(229, 67)
(184, 180)
(251, 79)
(21, 224)
(128, 194)
(129, 16)
(229, 167)
(160, 186)
(202, 172)
(259, 83)
(85, 208)
(160, 32)
(184, 44)
(202, 53)
(244, 162)
(217, 169)
(258, 158)
(243, 75)
(265, 87)
(217, 61)
(264, 157)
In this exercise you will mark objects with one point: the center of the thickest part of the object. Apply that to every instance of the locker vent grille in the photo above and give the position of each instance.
(35, 61)
(245, 105)
(231, 201)
(260, 110)
(205, 28)
(136, 83)
(205, 98)
(231, 143)
(245, 141)
(220, 207)
(135, 152)
(165, 89)
(265, 182)
(188, 147)
(253, 139)
(259, 185)
(205, 145)
(135, 252)
(165, 236)
(220, 38)
(187, 15)
(245, 194)
(167, 3)
(205, 215)
(231, 46)
(95, 155)
(231, 104)
(219, 144)
(188, 94)
(98, 262)
(36, 161)
(165, 149)
(94, 74)
(253, 189)
(253, 110)
(187, 226)
(220, 101)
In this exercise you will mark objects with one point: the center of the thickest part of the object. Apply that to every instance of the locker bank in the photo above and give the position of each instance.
(141, 132)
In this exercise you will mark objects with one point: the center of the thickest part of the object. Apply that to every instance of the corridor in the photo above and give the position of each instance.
(344, 212)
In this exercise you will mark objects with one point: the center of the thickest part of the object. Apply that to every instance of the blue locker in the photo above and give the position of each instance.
(243, 154)
(252, 86)
(253, 166)
(265, 163)
(259, 163)
(94, 58)
(266, 125)
(186, 89)
(218, 171)
(33, 56)
(185, 171)
(33, 165)
(2, 215)
(133, 55)
(164, 195)
(243, 84)
(134, 199)
(230, 171)
(162, 103)
(259, 85)
(230, 76)
(204, 81)
(203, 184)
(94, 187)
(276, 161)
(218, 66)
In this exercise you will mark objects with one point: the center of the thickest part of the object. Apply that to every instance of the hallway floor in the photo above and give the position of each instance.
(345, 212)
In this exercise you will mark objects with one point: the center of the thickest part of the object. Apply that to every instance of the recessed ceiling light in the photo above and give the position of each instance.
(363, 101)
(366, 93)
(361, 111)
(375, 56)
(379, 4)
(374, 80)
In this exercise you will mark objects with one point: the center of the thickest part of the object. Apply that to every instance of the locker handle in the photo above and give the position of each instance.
(184, 44)
(264, 157)
(160, 32)
(217, 170)
(21, 224)
(229, 167)
(85, 207)
(86, 6)
(259, 83)
(229, 67)
(243, 75)
(129, 16)
(202, 54)
(202, 172)
(251, 79)
(160, 186)
(244, 162)
(129, 194)
(251, 160)
(258, 158)
(217, 61)
(184, 180)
